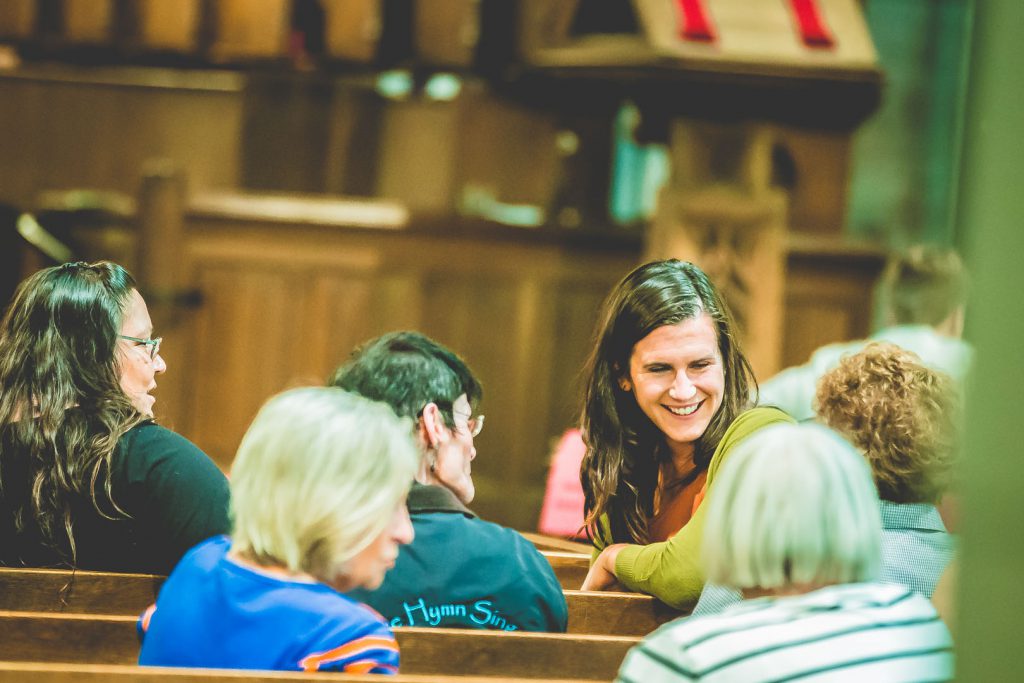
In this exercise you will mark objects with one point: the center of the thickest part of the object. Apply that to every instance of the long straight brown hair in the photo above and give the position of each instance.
(62, 408)
(624, 449)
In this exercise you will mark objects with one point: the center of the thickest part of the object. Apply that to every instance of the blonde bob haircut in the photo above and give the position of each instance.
(317, 478)
(794, 504)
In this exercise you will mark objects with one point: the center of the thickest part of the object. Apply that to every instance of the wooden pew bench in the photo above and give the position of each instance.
(103, 639)
(35, 672)
(56, 591)
(545, 542)
(570, 568)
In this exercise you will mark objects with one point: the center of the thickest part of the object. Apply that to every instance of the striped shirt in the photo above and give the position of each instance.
(852, 632)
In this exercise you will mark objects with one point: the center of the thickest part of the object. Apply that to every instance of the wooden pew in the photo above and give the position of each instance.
(104, 593)
(570, 568)
(545, 542)
(59, 590)
(99, 639)
(16, 672)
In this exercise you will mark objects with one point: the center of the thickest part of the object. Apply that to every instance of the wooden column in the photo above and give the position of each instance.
(160, 270)
(720, 211)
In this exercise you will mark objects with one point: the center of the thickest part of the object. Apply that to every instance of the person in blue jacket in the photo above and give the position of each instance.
(460, 571)
(318, 504)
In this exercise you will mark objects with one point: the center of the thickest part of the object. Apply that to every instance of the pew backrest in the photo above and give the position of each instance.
(36, 672)
(102, 639)
(106, 593)
(545, 542)
(85, 592)
(570, 568)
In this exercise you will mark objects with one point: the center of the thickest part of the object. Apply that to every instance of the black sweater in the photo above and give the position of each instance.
(173, 494)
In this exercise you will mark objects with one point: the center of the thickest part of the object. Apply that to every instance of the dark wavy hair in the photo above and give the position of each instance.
(407, 370)
(62, 408)
(624, 448)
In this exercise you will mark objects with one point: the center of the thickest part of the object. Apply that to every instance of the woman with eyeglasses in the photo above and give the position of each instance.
(667, 397)
(87, 479)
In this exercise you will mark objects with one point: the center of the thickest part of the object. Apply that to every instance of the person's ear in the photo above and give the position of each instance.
(431, 426)
(622, 378)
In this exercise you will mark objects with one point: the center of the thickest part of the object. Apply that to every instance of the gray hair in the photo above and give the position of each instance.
(317, 478)
(794, 504)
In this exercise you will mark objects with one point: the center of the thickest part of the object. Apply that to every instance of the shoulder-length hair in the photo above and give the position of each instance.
(316, 479)
(793, 504)
(61, 403)
(624, 448)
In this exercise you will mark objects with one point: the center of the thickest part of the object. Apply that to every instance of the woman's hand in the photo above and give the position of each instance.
(601, 576)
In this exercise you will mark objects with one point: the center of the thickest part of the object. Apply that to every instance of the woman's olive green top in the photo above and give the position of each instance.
(671, 570)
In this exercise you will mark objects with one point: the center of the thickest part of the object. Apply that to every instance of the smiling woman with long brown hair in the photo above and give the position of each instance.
(87, 479)
(667, 396)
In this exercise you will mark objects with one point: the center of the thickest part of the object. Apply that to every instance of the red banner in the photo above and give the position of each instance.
(694, 23)
(812, 28)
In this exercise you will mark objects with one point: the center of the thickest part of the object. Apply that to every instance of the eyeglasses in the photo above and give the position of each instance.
(474, 425)
(153, 344)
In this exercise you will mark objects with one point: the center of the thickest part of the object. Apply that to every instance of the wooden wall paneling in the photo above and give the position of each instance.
(492, 157)
(476, 318)
(89, 21)
(282, 304)
(286, 117)
(21, 115)
(60, 134)
(199, 129)
(17, 19)
(352, 139)
(578, 314)
(74, 125)
(821, 166)
(447, 31)
(416, 159)
(533, 358)
(251, 29)
(250, 334)
(172, 25)
(828, 299)
(343, 308)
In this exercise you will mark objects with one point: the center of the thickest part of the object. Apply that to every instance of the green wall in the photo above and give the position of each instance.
(990, 217)
(905, 158)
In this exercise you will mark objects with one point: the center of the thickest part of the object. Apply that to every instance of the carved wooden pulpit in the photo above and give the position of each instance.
(731, 76)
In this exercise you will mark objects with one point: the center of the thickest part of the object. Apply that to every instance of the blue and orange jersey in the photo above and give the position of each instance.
(213, 612)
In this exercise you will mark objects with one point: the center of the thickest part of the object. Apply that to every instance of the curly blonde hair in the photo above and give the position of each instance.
(900, 413)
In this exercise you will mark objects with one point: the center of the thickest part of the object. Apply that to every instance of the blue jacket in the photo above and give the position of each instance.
(463, 572)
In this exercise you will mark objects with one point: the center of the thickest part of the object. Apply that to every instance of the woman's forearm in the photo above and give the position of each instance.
(601, 576)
